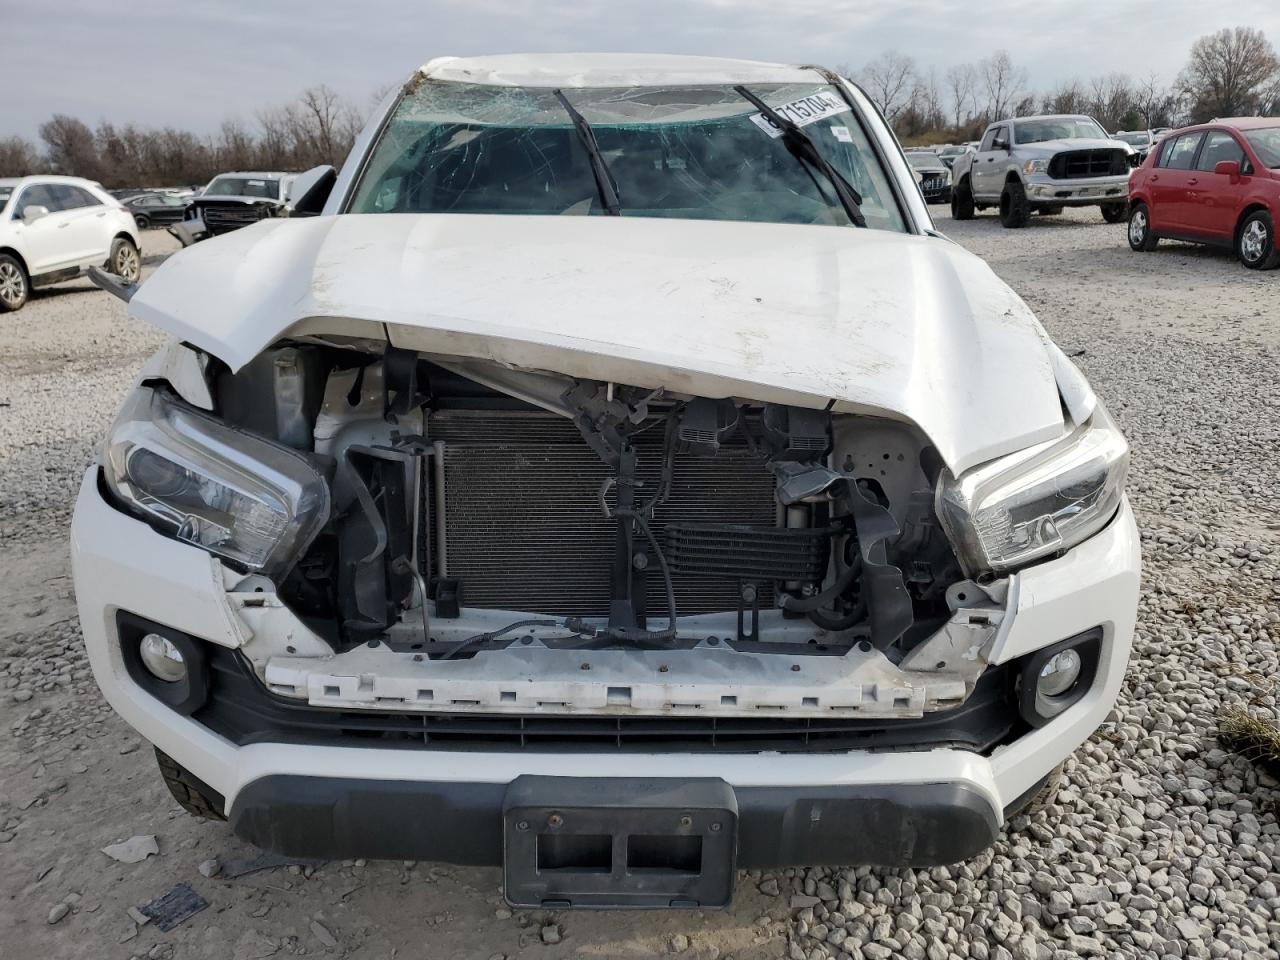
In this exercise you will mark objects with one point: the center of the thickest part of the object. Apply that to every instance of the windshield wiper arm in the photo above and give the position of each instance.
(807, 151)
(604, 179)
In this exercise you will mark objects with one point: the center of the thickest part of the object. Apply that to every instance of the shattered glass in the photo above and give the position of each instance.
(691, 152)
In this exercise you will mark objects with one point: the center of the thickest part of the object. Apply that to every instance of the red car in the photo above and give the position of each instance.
(1216, 183)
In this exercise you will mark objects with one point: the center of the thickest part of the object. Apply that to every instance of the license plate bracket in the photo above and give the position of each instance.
(619, 843)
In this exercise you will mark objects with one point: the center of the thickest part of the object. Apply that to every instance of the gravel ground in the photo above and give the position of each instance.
(1161, 845)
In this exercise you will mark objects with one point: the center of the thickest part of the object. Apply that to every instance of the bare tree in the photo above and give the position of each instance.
(235, 148)
(1156, 103)
(1068, 97)
(1269, 100)
(1112, 101)
(1002, 82)
(1230, 73)
(70, 146)
(323, 125)
(930, 96)
(889, 81)
(18, 157)
(961, 81)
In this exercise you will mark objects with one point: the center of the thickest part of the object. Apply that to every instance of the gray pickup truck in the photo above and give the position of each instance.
(1043, 164)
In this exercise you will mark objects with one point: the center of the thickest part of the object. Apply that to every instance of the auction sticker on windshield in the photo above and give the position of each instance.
(802, 112)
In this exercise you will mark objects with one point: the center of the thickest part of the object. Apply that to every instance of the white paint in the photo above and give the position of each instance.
(907, 326)
(181, 368)
(176, 584)
(611, 70)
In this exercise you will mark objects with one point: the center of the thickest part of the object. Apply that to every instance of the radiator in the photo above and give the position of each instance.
(524, 525)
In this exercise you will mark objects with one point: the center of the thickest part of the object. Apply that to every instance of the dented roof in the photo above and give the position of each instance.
(611, 70)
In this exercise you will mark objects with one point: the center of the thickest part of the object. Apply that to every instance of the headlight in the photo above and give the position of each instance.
(209, 484)
(1038, 502)
(1035, 166)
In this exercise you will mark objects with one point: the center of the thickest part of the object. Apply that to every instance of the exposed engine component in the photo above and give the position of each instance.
(600, 514)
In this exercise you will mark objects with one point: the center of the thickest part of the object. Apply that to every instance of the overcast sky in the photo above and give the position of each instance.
(192, 64)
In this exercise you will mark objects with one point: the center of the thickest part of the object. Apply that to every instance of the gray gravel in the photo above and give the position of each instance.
(1161, 844)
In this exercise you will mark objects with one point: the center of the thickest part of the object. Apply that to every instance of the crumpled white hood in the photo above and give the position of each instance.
(906, 326)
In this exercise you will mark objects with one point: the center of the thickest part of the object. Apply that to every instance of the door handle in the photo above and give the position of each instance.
(1192, 182)
(64, 225)
(1155, 177)
(101, 214)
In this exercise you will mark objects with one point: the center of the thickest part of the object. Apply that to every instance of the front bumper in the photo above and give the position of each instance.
(882, 824)
(936, 189)
(187, 232)
(1084, 192)
(913, 807)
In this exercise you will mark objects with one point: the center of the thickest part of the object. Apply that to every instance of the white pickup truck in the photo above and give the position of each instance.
(1042, 164)
(623, 502)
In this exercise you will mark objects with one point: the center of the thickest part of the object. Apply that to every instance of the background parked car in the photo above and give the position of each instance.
(231, 201)
(935, 176)
(1140, 140)
(155, 209)
(951, 152)
(53, 228)
(1217, 183)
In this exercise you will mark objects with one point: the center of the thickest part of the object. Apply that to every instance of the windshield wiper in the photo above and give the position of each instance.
(800, 144)
(604, 179)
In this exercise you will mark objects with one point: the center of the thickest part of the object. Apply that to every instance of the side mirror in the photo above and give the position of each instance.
(310, 190)
(998, 144)
(33, 212)
(1228, 168)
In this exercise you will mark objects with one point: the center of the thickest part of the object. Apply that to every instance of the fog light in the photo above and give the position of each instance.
(1059, 674)
(162, 658)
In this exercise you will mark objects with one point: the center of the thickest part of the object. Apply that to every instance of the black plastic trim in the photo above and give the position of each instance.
(1037, 710)
(186, 696)
(241, 710)
(890, 825)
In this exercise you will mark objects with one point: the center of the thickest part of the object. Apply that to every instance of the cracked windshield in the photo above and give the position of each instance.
(697, 152)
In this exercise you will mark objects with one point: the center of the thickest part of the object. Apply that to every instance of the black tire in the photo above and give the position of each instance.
(194, 796)
(1256, 242)
(1114, 212)
(1141, 237)
(125, 260)
(143, 222)
(1014, 209)
(1047, 795)
(15, 285)
(1040, 801)
(962, 201)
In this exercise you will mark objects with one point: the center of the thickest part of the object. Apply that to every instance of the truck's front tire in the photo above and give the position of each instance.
(962, 201)
(193, 795)
(1014, 209)
(1114, 212)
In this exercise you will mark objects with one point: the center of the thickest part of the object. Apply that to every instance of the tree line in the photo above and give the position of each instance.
(1231, 73)
(318, 127)
(1234, 72)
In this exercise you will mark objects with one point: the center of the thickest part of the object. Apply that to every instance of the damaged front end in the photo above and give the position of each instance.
(472, 539)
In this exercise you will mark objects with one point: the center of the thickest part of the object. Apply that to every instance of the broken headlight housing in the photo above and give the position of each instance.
(1038, 502)
(248, 500)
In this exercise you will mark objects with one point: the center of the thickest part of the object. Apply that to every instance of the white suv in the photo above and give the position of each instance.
(53, 228)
